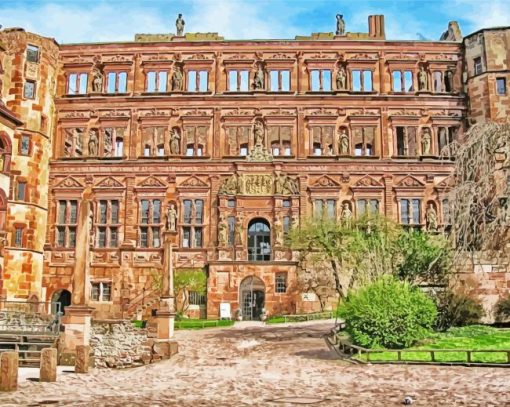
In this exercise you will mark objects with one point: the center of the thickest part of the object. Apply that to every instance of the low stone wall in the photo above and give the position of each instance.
(23, 321)
(118, 344)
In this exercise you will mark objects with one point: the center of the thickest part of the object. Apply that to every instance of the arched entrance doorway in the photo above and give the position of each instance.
(61, 299)
(252, 293)
(259, 240)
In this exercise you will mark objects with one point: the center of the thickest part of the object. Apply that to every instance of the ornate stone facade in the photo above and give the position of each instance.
(218, 148)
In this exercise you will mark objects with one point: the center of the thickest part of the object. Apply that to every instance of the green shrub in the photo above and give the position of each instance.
(388, 313)
(456, 309)
(503, 309)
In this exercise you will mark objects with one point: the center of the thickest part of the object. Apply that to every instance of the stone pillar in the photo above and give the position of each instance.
(48, 369)
(9, 371)
(81, 364)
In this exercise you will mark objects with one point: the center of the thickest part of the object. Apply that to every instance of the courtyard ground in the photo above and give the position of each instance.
(256, 365)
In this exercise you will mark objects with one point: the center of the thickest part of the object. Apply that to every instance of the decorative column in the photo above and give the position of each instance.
(77, 318)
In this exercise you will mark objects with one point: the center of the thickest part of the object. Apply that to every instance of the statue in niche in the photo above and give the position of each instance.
(108, 143)
(279, 184)
(341, 79)
(177, 79)
(179, 25)
(222, 232)
(239, 231)
(258, 80)
(93, 142)
(175, 141)
(422, 79)
(448, 81)
(426, 141)
(346, 214)
(258, 133)
(229, 186)
(343, 142)
(171, 218)
(278, 227)
(290, 186)
(340, 25)
(97, 80)
(431, 218)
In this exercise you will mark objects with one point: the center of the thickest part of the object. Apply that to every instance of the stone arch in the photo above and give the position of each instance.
(62, 297)
(259, 239)
(252, 292)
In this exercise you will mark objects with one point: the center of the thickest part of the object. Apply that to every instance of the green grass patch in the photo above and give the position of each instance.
(475, 337)
(202, 323)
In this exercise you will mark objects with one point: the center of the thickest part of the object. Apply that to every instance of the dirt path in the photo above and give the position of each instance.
(255, 365)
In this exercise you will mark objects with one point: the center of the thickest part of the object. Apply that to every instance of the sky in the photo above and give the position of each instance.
(119, 20)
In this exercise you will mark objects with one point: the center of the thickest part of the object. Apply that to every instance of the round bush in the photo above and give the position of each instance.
(388, 313)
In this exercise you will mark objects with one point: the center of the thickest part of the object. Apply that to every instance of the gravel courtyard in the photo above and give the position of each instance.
(256, 365)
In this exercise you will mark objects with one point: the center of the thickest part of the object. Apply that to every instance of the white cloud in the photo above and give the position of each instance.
(484, 13)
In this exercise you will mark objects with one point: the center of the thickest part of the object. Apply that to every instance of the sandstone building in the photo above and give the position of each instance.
(217, 148)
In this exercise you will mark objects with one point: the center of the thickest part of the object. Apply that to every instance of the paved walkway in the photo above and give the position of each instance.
(266, 366)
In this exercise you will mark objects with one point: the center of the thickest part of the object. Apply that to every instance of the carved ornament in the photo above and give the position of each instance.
(326, 181)
(152, 182)
(193, 181)
(69, 182)
(109, 183)
(368, 181)
(410, 182)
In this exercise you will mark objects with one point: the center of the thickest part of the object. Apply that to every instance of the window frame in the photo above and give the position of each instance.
(69, 224)
(30, 51)
(101, 289)
(33, 96)
(79, 75)
(193, 224)
(278, 283)
(501, 80)
(280, 83)
(116, 89)
(107, 224)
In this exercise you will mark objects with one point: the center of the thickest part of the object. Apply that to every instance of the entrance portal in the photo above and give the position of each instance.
(61, 299)
(252, 295)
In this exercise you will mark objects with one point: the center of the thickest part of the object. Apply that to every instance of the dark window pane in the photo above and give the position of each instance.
(156, 211)
(144, 211)
(32, 53)
(73, 205)
(156, 240)
(115, 212)
(94, 292)
(143, 237)
(186, 236)
(72, 237)
(113, 237)
(61, 236)
(103, 205)
(25, 145)
(187, 211)
(199, 211)
(61, 212)
(101, 238)
(198, 237)
(107, 288)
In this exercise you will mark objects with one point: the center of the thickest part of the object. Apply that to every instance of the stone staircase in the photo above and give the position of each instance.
(142, 305)
(28, 345)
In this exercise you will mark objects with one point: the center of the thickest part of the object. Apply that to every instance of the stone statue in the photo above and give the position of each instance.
(295, 220)
(341, 79)
(431, 218)
(175, 141)
(279, 184)
(346, 214)
(448, 81)
(426, 142)
(222, 232)
(278, 227)
(452, 33)
(93, 142)
(177, 79)
(258, 133)
(239, 232)
(171, 218)
(229, 186)
(97, 80)
(422, 79)
(340, 25)
(343, 142)
(108, 143)
(258, 80)
(290, 186)
(179, 25)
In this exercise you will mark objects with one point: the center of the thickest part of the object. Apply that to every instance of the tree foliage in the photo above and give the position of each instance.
(186, 280)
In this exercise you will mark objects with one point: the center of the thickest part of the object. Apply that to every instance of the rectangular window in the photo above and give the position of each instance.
(280, 140)
(286, 225)
(410, 211)
(20, 196)
(29, 90)
(32, 53)
(100, 291)
(319, 208)
(331, 207)
(24, 145)
(501, 86)
(397, 81)
(196, 298)
(156, 81)
(150, 218)
(280, 283)
(108, 223)
(477, 62)
(95, 291)
(117, 82)
(406, 141)
(18, 237)
(66, 223)
(279, 81)
(197, 81)
(364, 138)
(362, 81)
(408, 81)
(320, 80)
(356, 81)
(286, 203)
(192, 220)
(195, 140)
(231, 221)
(238, 81)
(77, 83)
(437, 78)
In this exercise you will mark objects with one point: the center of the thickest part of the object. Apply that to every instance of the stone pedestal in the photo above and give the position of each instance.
(81, 364)
(9, 371)
(76, 321)
(165, 318)
(48, 369)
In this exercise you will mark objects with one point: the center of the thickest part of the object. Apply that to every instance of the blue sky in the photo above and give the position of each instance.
(116, 20)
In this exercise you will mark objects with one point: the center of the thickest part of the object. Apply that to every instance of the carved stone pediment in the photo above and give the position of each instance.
(367, 181)
(326, 182)
(152, 182)
(445, 185)
(410, 182)
(193, 182)
(109, 182)
(69, 182)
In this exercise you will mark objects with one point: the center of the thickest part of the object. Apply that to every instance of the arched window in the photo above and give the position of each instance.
(5, 152)
(259, 240)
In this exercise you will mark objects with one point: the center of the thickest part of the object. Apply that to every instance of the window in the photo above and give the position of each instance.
(286, 203)
(156, 81)
(113, 141)
(237, 140)
(117, 82)
(196, 298)
(320, 80)
(361, 81)
(410, 211)
(287, 224)
(197, 81)
(477, 62)
(231, 221)
(445, 205)
(32, 53)
(501, 86)
(154, 141)
(24, 145)
(194, 139)
(100, 291)
(231, 203)
(107, 223)
(280, 140)
(280, 282)
(322, 139)
(29, 90)
(445, 136)
(437, 78)
(21, 191)
(402, 81)
(67, 221)
(150, 223)
(279, 81)
(363, 138)
(18, 236)
(77, 83)
(325, 208)
(367, 207)
(192, 220)
(238, 81)
(259, 241)
(406, 141)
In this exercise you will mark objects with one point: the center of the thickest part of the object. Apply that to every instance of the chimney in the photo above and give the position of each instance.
(376, 27)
